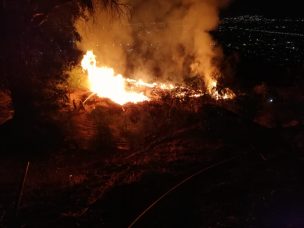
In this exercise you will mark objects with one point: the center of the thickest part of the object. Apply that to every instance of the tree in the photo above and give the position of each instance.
(38, 43)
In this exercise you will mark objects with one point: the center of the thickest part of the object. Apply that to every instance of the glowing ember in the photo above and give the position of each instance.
(106, 84)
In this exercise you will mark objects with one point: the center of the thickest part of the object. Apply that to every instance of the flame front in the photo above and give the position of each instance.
(105, 83)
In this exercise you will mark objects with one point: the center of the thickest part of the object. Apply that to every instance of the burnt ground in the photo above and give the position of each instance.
(112, 163)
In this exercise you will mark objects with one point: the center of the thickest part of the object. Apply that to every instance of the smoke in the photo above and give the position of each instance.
(156, 39)
(106, 34)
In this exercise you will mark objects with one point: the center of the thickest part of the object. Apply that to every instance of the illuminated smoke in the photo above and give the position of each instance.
(156, 39)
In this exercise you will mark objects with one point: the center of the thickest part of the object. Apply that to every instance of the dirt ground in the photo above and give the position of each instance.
(116, 162)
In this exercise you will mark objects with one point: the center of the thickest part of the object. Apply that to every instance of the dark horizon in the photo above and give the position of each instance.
(271, 8)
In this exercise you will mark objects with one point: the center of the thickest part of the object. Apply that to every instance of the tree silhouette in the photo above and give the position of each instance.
(38, 42)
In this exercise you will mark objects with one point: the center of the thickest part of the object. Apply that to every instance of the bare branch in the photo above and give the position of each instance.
(114, 6)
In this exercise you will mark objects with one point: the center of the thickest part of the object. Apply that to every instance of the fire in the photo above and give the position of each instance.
(224, 94)
(105, 83)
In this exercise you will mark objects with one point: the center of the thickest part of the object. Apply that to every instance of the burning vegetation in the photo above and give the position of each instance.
(103, 82)
(140, 43)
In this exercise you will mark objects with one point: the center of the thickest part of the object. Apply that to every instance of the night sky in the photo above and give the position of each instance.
(271, 8)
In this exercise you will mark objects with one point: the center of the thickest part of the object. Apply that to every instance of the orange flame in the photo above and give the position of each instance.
(105, 83)
(224, 94)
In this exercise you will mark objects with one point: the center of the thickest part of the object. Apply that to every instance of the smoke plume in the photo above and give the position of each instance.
(156, 39)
